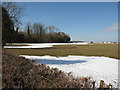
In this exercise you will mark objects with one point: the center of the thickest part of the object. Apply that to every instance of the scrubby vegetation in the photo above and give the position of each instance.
(22, 73)
(19, 72)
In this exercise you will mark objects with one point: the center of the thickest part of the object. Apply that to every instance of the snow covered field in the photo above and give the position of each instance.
(42, 45)
(99, 68)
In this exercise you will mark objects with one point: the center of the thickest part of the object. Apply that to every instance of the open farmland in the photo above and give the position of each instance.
(73, 58)
(107, 50)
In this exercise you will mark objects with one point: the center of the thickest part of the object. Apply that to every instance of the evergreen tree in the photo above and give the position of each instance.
(8, 33)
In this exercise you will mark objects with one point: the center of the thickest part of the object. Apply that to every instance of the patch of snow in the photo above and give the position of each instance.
(42, 45)
(31, 46)
(99, 68)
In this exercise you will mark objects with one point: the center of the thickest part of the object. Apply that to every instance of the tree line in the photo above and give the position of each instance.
(37, 32)
(33, 33)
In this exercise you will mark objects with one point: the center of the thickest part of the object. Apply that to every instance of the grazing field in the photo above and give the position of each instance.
(16, 45)
(108, 50)
(88, 67)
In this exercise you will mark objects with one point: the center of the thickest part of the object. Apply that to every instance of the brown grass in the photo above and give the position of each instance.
(16, 45)
(108, 50)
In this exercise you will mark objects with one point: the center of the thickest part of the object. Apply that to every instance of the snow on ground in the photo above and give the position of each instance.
(42, 45)
(99, 68)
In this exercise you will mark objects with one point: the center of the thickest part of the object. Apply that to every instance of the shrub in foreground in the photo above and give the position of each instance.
(19, 72)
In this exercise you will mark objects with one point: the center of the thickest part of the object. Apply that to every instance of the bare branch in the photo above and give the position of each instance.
(15, 12)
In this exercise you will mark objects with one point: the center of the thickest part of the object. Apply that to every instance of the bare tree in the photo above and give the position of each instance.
(15, 12)
(39, 31)
(51, 29)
